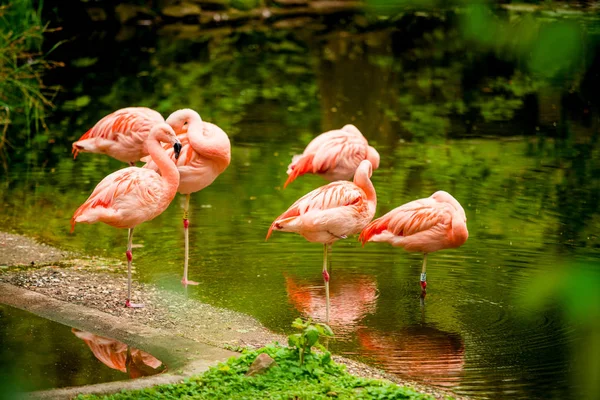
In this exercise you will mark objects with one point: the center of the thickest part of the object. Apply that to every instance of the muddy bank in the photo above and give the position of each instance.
(101, 284)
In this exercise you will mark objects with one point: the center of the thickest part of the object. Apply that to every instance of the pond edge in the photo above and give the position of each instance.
(183, 357)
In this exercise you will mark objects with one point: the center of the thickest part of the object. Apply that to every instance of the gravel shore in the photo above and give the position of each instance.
(101, 284)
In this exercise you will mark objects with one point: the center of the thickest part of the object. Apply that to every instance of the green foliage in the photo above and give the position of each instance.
(318, 378)
(308, 338)
(546, 46)
(23, 97)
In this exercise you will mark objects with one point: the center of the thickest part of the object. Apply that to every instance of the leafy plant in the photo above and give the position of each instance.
(304, 341)
(228, 380)
(23, 96)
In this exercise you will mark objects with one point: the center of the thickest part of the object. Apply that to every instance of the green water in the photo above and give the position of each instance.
(40, 354)
(512, 313)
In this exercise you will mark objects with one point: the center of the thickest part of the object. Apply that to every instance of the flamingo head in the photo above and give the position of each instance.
(366, 168)
(181, 119)
(165, 133)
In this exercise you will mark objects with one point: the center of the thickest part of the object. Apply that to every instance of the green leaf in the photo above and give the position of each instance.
(298, 324)
(325, 330)
(312, 335)
(294, 340)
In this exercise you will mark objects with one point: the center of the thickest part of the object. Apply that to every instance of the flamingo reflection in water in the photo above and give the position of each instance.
(117, 355)
(422, 353)
(351, 300)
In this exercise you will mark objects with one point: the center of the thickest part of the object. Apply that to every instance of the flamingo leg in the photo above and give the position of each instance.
(326, 279)
(186, 235)
(129, 254)
(423, 273)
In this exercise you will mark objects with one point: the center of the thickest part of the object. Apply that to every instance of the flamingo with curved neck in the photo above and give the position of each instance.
(130, 196)
(330, 213)
(434, 223)
(205, 154)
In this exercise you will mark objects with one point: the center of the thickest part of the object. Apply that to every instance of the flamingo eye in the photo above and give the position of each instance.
(185, 123)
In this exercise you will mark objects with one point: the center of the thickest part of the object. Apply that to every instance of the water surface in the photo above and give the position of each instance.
(40, 354)
(528, 183)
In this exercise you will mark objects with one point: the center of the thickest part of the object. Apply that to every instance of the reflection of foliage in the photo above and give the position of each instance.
(239, 73)
(575, 288)
(478, 61)
(23, 96)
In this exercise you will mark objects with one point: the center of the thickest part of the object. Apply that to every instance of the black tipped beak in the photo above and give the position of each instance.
(177, 148)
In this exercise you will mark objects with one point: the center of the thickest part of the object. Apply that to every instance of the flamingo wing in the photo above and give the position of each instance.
(134, 189)
(129, 126)
(330, 150)
(409, 219)
(328, 197)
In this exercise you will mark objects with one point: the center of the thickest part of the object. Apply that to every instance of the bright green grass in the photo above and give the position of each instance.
(318, 378)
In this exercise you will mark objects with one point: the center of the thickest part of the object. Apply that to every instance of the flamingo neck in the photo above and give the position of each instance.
(362, 180)
(195, 131)
(168, 169)
(210, 142)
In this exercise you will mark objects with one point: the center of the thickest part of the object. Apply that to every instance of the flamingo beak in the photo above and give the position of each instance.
(177, 149)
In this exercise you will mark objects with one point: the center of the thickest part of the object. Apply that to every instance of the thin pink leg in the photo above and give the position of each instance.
(186, 223)
(326, 279)
(129, 254)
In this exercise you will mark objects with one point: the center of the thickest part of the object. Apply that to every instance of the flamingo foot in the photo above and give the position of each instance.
(326, 276)
(129, 304)
(186, 282)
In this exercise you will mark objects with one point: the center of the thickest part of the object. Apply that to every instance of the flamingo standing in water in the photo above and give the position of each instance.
(205, 154)
(330, 213)
(434, 223)
(130, 196)
(334, 155)
(121, 135)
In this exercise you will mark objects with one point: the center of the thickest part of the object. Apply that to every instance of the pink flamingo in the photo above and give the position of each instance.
(330, 213)
(121, 135)
(205, 154)
(426, 225)
(334, 155)
(130, 196)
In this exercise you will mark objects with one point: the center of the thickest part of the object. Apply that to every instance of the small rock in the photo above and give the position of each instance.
(261, 364)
